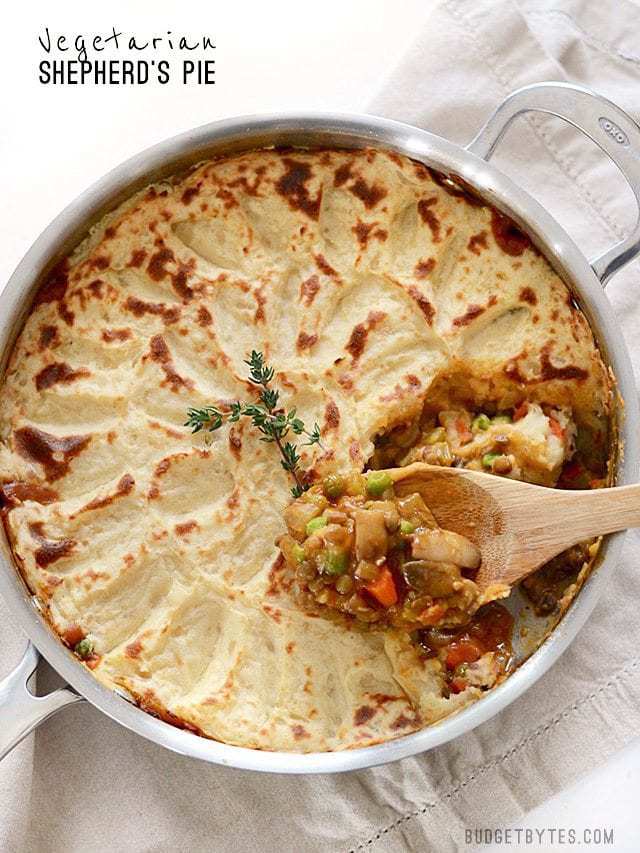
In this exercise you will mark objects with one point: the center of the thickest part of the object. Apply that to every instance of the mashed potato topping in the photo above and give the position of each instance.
(402, 314)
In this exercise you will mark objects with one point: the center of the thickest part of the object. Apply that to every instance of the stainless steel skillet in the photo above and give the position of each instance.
(608, 126)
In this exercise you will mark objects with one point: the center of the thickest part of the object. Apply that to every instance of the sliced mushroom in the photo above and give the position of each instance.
(414, 573)
(298, 514)
(414, 509)
(444, 546)
(391, 516)
(436, 579)
(336, 534)
(332, 534)
(437, 454)
(335, 516)
(287, 544)
(371, 534)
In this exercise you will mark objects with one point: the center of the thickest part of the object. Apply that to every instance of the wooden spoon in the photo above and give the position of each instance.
(517, 527)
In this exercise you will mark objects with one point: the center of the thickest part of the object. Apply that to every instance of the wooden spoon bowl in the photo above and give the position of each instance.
(517, 527)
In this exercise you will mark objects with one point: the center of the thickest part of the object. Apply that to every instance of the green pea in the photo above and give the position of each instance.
(333, 486)
(333, 562)
(378, 482)
(298, 553)
(437, 435)
(488, 459)
(481, 422)
(315, 524)
(406, 526)
(84, 648)
(501, 419)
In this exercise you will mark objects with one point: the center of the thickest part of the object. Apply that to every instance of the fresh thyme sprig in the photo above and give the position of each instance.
(274, 422)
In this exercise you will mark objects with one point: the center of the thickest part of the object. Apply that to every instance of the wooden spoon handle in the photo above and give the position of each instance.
(542, 523)
(594, 512)
(549, 523)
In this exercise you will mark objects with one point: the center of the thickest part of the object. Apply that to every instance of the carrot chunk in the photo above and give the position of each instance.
(383, 589)
(555, 427)
(520, 411)
(464, 433)
(464, 652)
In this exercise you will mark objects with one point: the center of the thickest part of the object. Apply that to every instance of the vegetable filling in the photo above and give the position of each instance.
(361, 550)
(356, 547)
(530, 443)
(475, 655)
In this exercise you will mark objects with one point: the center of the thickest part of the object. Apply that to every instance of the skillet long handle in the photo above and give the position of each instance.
(20, 711)
(602, 121)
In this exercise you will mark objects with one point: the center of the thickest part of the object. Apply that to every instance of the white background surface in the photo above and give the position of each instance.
(333, 55)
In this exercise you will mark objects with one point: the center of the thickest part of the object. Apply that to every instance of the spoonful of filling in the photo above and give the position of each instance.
(425, 545)
(358, 547)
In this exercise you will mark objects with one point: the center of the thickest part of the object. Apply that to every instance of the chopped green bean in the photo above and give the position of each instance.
(316, 524)
(333, 562)
(298, 553)
(481, 422)
(488, 459)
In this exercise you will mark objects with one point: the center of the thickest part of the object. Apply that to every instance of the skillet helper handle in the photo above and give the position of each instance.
(20, 711)
(612, 129)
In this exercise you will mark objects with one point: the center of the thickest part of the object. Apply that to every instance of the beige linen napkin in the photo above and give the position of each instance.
(82, 783)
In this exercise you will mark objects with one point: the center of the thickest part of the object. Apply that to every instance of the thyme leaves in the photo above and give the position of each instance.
(274, 422)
